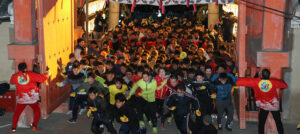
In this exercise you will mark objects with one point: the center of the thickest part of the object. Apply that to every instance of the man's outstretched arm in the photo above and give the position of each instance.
(247, 82)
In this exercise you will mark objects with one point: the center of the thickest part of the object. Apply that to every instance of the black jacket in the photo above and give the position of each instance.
(183, 103)
(101, 105)
(130, 114)
(203, 90)
(188, 83)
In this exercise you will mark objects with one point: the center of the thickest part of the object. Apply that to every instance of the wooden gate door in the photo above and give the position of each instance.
(55, 37)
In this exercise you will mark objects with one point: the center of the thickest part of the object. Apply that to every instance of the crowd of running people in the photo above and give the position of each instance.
(157, 68)
(147, 71)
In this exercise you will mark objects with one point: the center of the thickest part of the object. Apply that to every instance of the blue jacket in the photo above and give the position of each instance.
(223, 90)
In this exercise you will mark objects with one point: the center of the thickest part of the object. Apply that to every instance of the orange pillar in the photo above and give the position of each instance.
(241, 49)
(25, 25)
(75, 12)
(268, 26)
(273, 38)
(273, 28)
(23, 49)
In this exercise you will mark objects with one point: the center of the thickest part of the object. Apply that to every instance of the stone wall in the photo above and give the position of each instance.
(6, 66)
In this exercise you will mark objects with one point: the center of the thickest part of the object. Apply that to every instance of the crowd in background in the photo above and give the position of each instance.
(162, 69)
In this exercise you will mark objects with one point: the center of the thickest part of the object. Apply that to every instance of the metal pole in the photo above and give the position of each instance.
(86, 21)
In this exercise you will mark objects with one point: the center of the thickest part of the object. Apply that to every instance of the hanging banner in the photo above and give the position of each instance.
(173, 2)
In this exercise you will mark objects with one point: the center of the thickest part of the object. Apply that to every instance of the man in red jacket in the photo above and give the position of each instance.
(27, 94)
(266, 96)
(161, 92)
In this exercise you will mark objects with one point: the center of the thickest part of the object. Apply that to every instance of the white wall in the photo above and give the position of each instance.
(6, 66)
(294, 86)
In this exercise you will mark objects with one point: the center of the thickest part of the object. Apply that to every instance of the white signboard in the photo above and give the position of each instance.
(173, 2)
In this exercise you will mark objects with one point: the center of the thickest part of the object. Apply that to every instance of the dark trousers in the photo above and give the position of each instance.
(110, 110)
(196, 125)
(262, 117)
(166, 112)
(149, 109)
(79, 99)
(125, 129)
(227, 37)
(181, 122)
(71, 100)
(98, 125)
(206, 107)
(160, 109)
(71, 103)
(223, 105)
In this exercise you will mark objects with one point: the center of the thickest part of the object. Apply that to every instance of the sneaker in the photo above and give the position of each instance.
(154, 129)
(220, 127)
(144, 116)
(69, 112)
(229, 127)
(72, 121)
(169, 120)
(33, 127)
(82, 111)
(214, 116)
(13, 130)
(150, 123)
(162, 127)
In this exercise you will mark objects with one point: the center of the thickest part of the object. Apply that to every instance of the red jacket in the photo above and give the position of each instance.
(172, 89)
(162, 87)
(26, 86)
(196, 42)
(204, 46)
(110, 44)
(150, 44)
(213, 66)
(184, 44)
(135, 79)
(266, 95)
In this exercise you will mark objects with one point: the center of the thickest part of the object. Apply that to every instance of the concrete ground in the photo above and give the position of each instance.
(57, 124)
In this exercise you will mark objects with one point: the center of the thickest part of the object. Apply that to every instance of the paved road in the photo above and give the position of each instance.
(56, 124)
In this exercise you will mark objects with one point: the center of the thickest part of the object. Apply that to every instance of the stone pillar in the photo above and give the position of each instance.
(114, 10)
(22, 49)
(213, 15)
